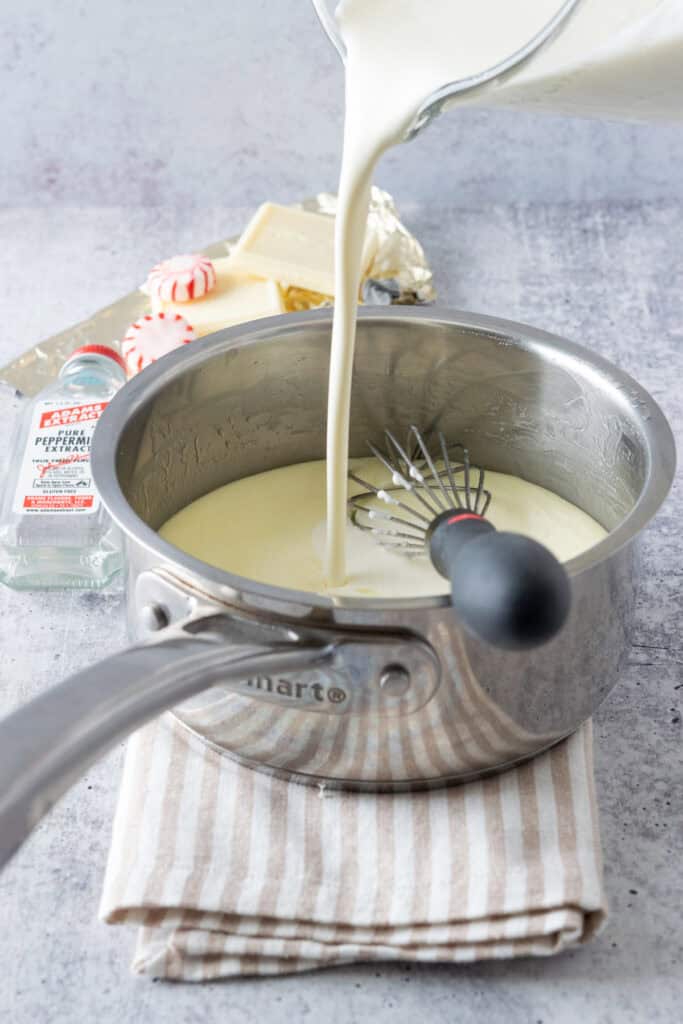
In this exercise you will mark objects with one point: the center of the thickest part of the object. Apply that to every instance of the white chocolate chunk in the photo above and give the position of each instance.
(294, 247)
(235, 299)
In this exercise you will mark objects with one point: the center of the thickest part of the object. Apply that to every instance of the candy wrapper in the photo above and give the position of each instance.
(399, 273)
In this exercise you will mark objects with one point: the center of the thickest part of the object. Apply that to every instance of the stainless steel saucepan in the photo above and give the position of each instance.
(352, 692)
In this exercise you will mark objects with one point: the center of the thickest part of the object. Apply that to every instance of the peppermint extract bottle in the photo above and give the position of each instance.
(54, 530)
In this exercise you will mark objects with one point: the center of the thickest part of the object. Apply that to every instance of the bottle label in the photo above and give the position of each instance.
(55, 471)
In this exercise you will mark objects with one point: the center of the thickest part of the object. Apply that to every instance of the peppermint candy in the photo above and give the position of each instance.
(153, 336)
(182, 278)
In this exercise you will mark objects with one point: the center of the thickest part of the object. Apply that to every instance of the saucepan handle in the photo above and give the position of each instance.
(48, 744)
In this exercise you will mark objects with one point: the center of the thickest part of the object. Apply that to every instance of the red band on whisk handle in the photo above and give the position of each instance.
(507, 589)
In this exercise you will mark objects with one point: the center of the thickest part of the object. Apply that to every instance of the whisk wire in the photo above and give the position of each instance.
(406, 474)
(387, 496)
(418, 474)
(432, 469)
(375, 514)
(480, 492)
(449, 470)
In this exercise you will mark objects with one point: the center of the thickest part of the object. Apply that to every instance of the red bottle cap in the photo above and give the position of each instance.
(99, 350)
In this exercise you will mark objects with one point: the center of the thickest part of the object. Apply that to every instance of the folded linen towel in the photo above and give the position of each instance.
(230, 871)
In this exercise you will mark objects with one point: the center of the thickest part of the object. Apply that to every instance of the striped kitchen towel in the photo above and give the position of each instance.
(229, 871)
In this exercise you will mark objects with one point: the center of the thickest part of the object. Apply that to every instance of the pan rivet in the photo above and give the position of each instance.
(395, 680)
(153, 617)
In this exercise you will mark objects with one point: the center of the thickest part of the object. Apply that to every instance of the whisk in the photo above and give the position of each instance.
(508, 589)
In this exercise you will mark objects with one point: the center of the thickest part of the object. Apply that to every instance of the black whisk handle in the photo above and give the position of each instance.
(507, 589)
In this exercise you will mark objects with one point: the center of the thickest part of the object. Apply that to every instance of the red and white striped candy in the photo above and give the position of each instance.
(151, 337)
(182, 278)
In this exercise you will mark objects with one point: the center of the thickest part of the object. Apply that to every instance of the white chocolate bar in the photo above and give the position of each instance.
(235, 299)
(293, 247)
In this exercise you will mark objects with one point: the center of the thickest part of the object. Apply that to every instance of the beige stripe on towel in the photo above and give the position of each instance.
(228, 871)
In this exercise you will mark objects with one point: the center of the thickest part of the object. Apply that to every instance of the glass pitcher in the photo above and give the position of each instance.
(593, 58)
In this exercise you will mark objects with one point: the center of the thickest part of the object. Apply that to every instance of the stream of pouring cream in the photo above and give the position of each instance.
(398, 53)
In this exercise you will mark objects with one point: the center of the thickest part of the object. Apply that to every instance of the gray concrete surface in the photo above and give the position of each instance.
(175, 102)
(608, 275)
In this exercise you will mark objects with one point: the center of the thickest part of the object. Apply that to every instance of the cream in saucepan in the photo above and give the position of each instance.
(271, 528)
